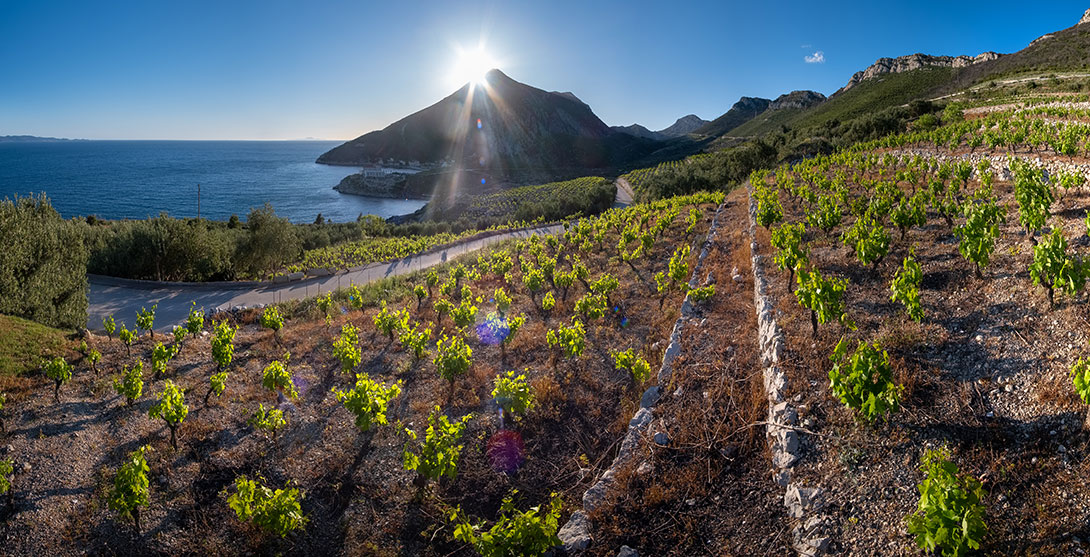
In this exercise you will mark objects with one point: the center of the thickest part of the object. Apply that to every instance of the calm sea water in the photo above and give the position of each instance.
(135, 179)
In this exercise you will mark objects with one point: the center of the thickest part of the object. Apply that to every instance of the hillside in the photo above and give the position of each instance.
(741, 112)
(1065, 50)
(893, 82)
(869, 96)
(503, 129)
(683, 126)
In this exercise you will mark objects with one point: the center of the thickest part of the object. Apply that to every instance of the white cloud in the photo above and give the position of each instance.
(817, 58)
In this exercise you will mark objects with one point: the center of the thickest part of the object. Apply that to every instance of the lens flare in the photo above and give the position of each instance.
(493, 330)
(471, 66)
(506, 451)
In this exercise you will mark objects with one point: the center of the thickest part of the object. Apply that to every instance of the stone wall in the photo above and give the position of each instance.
(576, 533)
(810, 527)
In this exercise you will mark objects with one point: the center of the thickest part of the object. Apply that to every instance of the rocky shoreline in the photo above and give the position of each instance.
(390, 186)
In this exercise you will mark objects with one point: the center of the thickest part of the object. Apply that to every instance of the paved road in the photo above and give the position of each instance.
(123, 298)
(625, 195)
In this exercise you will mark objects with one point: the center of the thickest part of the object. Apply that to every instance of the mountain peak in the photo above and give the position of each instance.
(506, 129)
(1085, 18)
(495, 75)
(683, 126)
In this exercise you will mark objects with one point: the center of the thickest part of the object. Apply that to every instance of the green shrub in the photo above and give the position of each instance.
(571, 339)
(216, 385)
(346, 348)
(145, 320)
(513, 393)
(1053, 267)
(59, 371)
(43, 264)
(790, 251)
(278, 512)
(131, 383)
(110, 326)
(702, 293)
(415, 340)
(634, 364)
(823, 297)
(950, 514)
(368, 400)
(171, 408)
(452, 358)
(906, 288)
(272, 319)
(437, 457)
(194, 322)
(268, 419)
(130, 491)
(515, 533)
(1080, 377)
(276, 377)
(223, 344)
(864, 381)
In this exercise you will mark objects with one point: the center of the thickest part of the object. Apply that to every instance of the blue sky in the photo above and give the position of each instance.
(289, 70)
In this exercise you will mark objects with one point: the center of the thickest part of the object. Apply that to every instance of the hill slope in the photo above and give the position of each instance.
(502, 128)
(683, 126)
(743, 111)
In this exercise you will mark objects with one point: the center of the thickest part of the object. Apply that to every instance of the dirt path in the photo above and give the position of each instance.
(124, 298)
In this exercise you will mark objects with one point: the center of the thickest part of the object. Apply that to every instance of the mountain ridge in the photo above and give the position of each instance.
(501, 128)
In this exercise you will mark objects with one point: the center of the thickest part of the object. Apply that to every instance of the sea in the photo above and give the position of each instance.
(137, 179)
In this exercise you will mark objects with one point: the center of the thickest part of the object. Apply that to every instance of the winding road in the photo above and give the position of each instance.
(123, 298)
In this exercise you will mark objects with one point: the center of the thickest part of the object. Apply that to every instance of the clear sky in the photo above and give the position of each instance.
(234, 69)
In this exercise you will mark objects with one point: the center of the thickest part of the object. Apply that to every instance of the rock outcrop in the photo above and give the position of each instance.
(797, 99)
(914, 62)
(1085, 18)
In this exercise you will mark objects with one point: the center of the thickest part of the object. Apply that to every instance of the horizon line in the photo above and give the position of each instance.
(46, 138)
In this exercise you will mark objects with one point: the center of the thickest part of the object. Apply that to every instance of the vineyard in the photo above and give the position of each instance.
(931, 290)
(925, 389)
(518, 203)
(370, 250)
(514, 208)
(473, 412)
(639, 178)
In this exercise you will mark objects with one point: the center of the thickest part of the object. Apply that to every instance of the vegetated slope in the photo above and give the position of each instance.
(503, 128)
(588, 195)
(24, 343)
(986, 368)
(359, 498)
(743, 111)
(869, 96)
(637, 130)
(1068, 49)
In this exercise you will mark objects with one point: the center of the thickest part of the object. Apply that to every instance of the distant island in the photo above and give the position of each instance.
(32, 139)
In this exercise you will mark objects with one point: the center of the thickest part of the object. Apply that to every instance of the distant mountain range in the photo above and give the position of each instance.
(507, 131)
(32, 139)
(682, 127)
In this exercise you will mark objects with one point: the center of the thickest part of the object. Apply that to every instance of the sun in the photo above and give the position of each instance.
(471, 66)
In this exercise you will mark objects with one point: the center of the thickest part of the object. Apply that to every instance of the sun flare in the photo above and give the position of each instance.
(471, 66)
